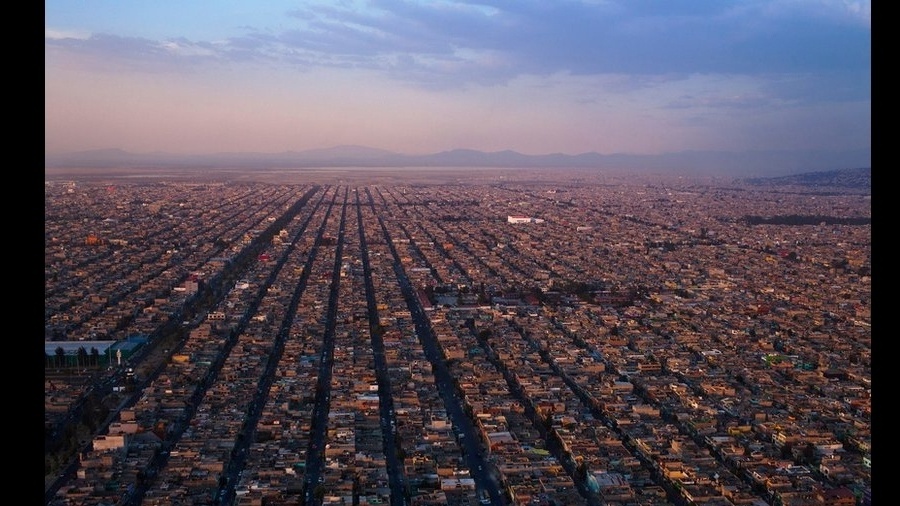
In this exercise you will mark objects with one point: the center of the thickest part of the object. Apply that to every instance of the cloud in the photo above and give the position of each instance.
(460, 43)
(113, 52)
(51, 34)
(574, 75)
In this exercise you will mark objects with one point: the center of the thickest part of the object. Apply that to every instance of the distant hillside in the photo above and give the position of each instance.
(756, 163)
(857, 179)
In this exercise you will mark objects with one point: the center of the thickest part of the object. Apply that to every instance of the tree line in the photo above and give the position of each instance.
(81, 358)
(798, 219)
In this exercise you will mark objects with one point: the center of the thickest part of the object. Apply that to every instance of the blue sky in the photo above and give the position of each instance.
(544, 76)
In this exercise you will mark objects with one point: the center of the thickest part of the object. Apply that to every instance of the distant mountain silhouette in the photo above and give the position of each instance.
(757, 163)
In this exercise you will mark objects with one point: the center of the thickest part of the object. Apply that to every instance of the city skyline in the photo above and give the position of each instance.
(535, 78)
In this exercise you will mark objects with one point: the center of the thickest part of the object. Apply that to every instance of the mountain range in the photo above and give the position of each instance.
(761, 163)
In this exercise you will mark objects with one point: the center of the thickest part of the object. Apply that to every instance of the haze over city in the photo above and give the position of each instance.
(641, 78)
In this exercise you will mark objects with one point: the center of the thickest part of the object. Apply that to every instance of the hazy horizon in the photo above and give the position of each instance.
(637, 78)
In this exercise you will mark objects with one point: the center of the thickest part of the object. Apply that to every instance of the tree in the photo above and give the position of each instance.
(582, 470)
(82, 356)
(60, 356)
(787, 451)
(809, 453)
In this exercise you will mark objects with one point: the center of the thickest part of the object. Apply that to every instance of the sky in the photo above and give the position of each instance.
(420, 77)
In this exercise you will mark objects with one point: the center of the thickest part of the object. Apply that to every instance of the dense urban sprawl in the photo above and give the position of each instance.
(482, 339)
